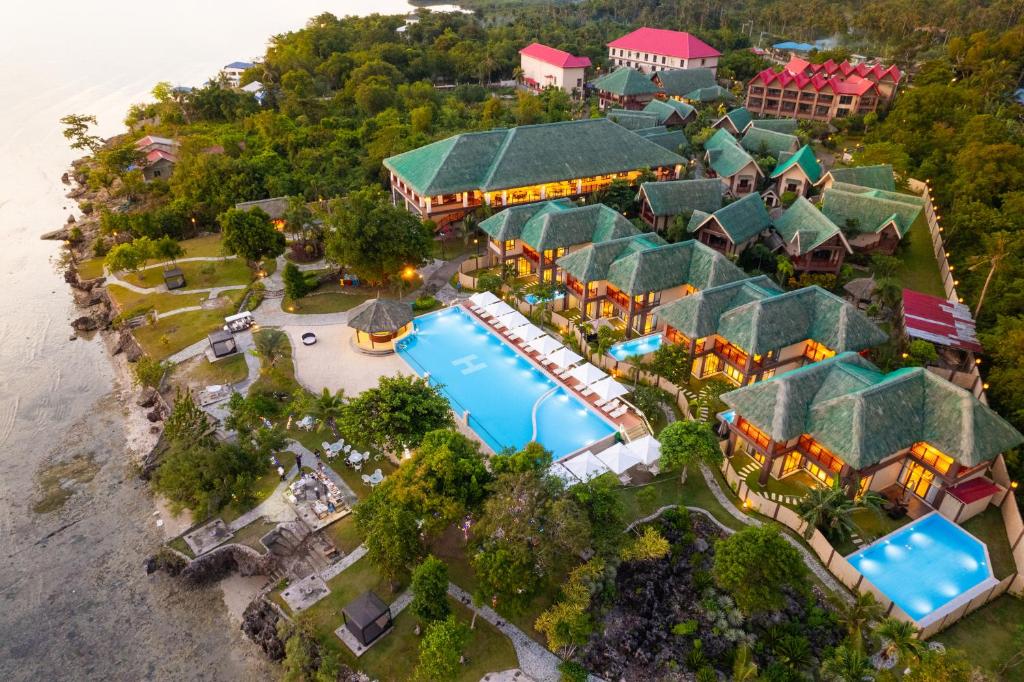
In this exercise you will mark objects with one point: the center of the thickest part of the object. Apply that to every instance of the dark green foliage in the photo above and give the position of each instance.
(672, 361)
(206, 479)
(296, 283)
(430, 590)
(441, 649)
(755, 564)
(397, 413)
(250, 234)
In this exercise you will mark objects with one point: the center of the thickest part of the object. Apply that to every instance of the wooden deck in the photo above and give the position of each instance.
(916, 507)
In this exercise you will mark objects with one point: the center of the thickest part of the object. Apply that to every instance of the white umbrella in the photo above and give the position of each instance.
(528, 332)
(587, 373)
(544, 344)
(498, 308)
(648, 449)
(585, 466)
(559, 471)
(609, 388)
(484, 298)
(513, 319)
(618, 458)
(563, 357)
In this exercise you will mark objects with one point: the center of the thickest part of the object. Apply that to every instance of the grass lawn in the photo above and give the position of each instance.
(314, 439)
(198, 274)
(170, 335)
(694, 493)
(209, 245)
(262, 489)
(326, 302)
(201, 372)
(164, 302)
(179, 544)
(251, 534)
(989, 528)
(344, 534)
(90, 268)
(987, 636)
(922, 271)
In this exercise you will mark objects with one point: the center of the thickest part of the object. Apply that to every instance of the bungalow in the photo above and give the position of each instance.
(625, 88)
(876, 177)
(737, 121)
(731, 164)
(764, 142)
(796, 173)
(714, 93)
(232, 73)
(152, 142)
(657, 49)
(732, 228)
(671, 112)
(779, 125)
(673, 140)
(661, 202)
(634, 120)
(624, 279)
(531, 238)
(751, 330)
(544, 67)
(444, 180)
(158, 165)
(873, 220)
(812, 242)
(842, 418)
(678, 83)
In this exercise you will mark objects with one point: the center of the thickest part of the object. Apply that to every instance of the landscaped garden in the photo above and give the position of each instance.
(198, 274)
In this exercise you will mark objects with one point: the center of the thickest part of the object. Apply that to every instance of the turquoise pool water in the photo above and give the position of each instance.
(533, 299)
(925, 565)
(641, 345)
(480, 373)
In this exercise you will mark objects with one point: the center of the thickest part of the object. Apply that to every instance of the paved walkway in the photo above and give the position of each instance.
(274, 507)
(334, 570)
(534, 660)
(269, 313)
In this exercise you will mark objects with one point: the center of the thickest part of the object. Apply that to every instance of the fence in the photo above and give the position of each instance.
(467, 281)
(849, 576)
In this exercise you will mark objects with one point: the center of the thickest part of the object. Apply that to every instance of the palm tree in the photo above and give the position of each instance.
(889, 292)
(271, 345)
(899, 640)
(794, 652)
(856, 615)
(847, 665)
(327, 409)
(783, 269)
(830, 510)
(743, 667)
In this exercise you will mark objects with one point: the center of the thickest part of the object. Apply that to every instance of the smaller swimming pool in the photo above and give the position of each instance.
(534, 299)
(927, 568)
(641, 345)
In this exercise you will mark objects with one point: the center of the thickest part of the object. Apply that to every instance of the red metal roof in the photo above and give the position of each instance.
(973, 490)
(940, 321)
(663, 41)
(874, 72)
(550, 55)
(840, 86)
(157, 154)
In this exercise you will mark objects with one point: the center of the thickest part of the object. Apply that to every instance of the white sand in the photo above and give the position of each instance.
(239, 591)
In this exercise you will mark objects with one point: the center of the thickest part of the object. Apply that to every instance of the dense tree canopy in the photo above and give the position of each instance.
(250, 234)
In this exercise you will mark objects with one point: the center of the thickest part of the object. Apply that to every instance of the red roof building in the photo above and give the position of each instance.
(657, 49)
(545, 66)
(944, 323)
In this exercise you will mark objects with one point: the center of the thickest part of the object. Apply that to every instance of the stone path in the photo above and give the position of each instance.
(269, 313)
(189, 352)
(334, 570)
(274, 508)
(534, 660)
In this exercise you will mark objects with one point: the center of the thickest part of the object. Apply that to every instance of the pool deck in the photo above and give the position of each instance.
(625, 422)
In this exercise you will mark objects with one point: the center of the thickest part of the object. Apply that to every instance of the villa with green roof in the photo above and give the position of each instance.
(675, 84)
(531, 238)
(713, 93)
(732, 228)
(624, 88)
(796, 173)
(672, 139)
(812, 242)
(661, 202)
(873, 220)
(764, 142)
(750, 330)
(731, 164)
(880, 176)
(623, 280)
(671, 112)
(909, 431)
(444, 180)
(737, 121)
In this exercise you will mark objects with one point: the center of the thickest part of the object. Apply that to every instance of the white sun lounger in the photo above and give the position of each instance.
(587, 392)
(619, 412)
(611, 406)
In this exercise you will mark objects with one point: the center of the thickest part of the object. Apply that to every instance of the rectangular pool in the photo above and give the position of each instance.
(534, 299)
(510, 401)
(642, 345)
(928, 568)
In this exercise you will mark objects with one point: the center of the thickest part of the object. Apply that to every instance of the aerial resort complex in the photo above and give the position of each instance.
(495, 349)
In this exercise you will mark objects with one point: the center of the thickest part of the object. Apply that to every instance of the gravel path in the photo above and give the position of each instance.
(335, 569)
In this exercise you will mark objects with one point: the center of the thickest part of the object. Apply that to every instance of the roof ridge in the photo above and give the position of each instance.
(498, 156)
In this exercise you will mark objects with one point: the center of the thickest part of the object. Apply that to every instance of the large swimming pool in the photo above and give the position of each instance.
(500, 388)
(926, 566)
(639, 346)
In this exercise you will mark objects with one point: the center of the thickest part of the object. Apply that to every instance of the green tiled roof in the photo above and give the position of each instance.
(727, 160)
(509, 224)
(634, 120)
(804, 227)
(876, 177)
(864, 416)
(697, 315)
(677, 197)
(527, 155)
(722, 138)
(742, 219)
(762, 141)
(863, 210)
(679, 82)
(643, 263)
(709, 94)
(779, 125)
(664, 109)
(671, 139)
(625, 81)
(740, 117)
(804, 158)
(576, 225)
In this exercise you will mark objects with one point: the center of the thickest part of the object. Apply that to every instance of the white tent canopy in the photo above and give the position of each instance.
(618, 458)
(609, 388)
(647, 448)
(513, 319)
(484, 298)
(498, 308)
(585, 466)
(563, 357)
(560, 472)
(527, 332)
(587, 373)
(544, 344)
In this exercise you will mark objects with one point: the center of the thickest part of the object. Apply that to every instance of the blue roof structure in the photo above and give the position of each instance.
(796, 47)
(1019, 95)
(239, 65)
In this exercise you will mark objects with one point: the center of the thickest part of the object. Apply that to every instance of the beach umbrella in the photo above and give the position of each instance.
(560, 472)
(648, 449)
(609, 388)
(585, 465)
(618, 458)
(544, 344)
(587, 373)
(563, 357)
(498, 308)
(513, 319)
(484, 298)
(528, 332)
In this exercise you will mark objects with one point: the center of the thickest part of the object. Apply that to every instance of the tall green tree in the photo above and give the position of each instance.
(755, 565)
(687, 443)
(430, 590)
(76, 130)
(397, 413)
(250, 234)
(296, 285)
(393, 541)
(328, 408)
(441, 651)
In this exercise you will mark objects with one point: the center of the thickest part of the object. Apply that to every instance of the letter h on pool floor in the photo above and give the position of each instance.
(469, 364)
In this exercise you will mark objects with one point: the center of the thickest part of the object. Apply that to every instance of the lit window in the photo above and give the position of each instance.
(932, 457)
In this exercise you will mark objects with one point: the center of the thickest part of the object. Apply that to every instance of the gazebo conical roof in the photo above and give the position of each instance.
(381, 315)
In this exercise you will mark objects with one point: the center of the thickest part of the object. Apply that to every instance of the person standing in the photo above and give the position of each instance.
(298, 462)
(280, 471)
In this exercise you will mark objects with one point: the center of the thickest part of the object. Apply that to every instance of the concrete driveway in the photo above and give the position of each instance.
(334, 363)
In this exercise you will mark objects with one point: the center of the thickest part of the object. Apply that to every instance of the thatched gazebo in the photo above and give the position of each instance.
(379, 324)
